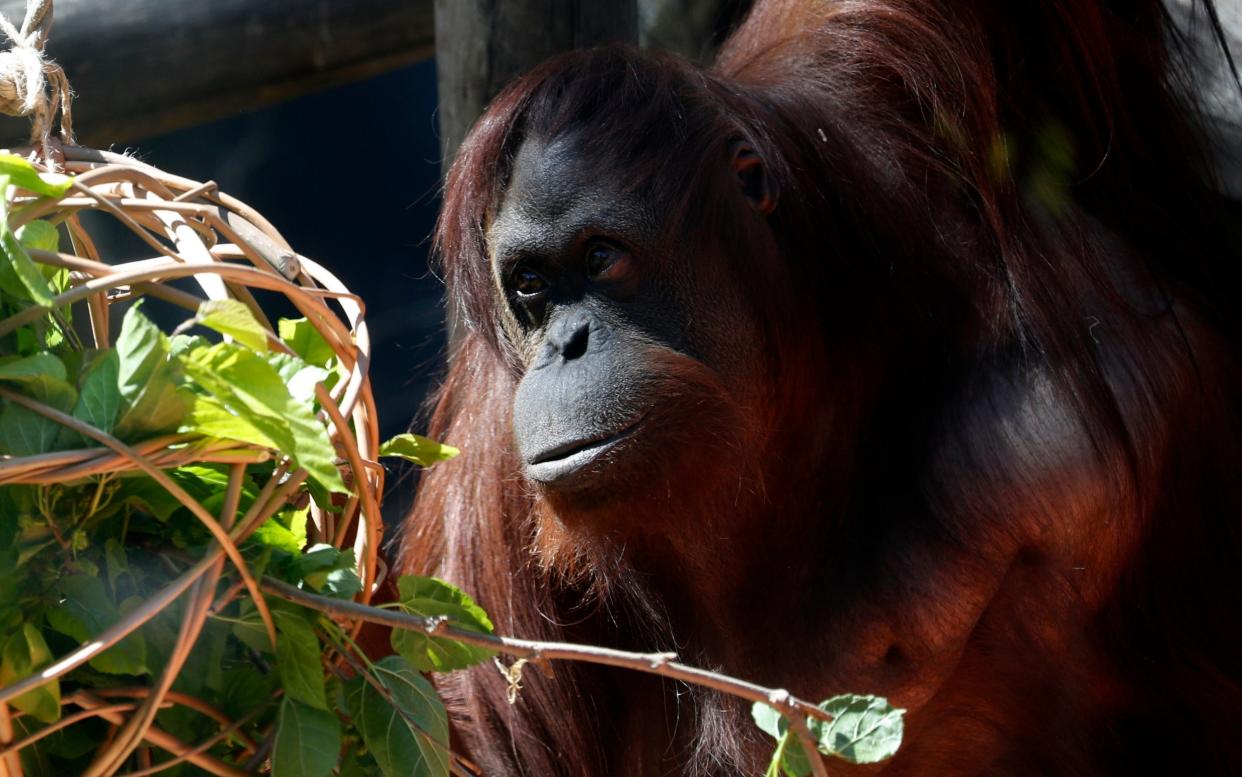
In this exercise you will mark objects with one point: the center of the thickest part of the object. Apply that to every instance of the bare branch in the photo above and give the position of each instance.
(531, 650)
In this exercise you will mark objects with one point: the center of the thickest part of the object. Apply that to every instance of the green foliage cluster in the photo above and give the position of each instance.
(79, 556)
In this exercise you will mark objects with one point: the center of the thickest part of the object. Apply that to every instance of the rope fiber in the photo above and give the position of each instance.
(30, 84)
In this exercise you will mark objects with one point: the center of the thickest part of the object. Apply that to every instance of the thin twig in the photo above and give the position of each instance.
(369, 676)
(164, 740)
(232, 728)
(111, 759)
(10, 763)
(182, 700)
(797, 723)
(370, 527)
(66, 721)
(662, 664)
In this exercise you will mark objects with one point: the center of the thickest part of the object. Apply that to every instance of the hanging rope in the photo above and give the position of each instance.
(31, 85)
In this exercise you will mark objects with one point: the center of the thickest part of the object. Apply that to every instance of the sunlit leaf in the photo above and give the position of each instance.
(39, 234)
(300, 377)
(23, 174)
(275, 534)
(251, 388)
(306, 341)
(26, 368)
(864, 729)
(788, 758)
(19, 275)
(231, 317)
(24, 653)
(418, 449)
(146, 378)
(210, 418)
(329, 570)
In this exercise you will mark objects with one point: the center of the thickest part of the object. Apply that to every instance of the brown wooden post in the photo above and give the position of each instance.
(482, 44)
(695, 28)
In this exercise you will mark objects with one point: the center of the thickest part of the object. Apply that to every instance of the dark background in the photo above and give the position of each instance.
(303, 164)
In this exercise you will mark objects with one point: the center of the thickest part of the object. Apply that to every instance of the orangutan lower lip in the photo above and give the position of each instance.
(564, 460)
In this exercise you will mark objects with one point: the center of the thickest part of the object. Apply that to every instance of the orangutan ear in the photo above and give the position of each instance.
(752, 175)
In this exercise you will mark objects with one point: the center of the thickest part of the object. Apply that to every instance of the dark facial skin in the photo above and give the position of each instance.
(617, 335)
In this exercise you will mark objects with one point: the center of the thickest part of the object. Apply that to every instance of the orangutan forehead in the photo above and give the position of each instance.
(557, 192)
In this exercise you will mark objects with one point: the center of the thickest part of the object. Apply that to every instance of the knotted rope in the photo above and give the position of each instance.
(31, 85)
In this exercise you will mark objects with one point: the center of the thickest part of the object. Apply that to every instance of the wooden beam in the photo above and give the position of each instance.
(142, 67)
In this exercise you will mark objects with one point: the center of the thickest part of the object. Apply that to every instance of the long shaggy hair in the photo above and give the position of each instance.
(1000, 281)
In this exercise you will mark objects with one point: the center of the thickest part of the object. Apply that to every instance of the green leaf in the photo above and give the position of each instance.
(789, 758)
(21, 173)
(768, 719)
(53, 754)
(418, 449)
(251, 632)
(295, 521)
(142, 492)
(409, 737)
(210, 418)
(23, 654)
(359, 764)
(24, 432)
(430, 597)
(313, 565)
(299, 660)
(308, 741)
(306, 341)
(116, 562)
(181, 344)
(864, 729)
(44, 236)
(27, 368)
(231, 317)
(99, 398)
(85, 609)
(244, 690)
(19, 275)
(250, 387)
(275, 534)
(300, 377)
(343, 581)
(39, 234)
(328, 570)
(146, 378)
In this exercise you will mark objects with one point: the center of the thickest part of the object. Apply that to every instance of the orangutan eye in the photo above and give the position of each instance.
(527, 283)
(604, 261)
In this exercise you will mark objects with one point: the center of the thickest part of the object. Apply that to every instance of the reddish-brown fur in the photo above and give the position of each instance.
(994, 469)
